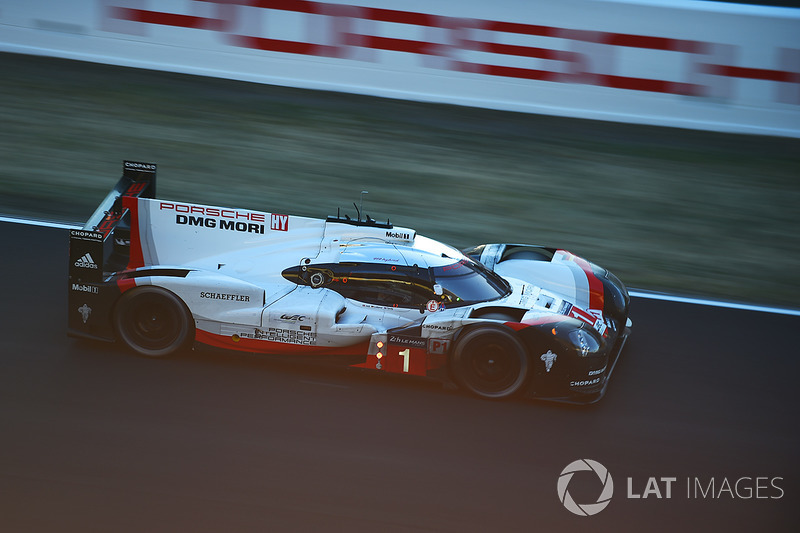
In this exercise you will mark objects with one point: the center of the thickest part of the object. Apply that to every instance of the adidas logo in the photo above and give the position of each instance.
(86, 262)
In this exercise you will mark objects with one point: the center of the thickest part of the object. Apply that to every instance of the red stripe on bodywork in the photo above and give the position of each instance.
(108, 223)
(537, 321)
(136, 258)
(126, 284)
(577, 312)
(595, 285)
(271, 347)
(136, 188)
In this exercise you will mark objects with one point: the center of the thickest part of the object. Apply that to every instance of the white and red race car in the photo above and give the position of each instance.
(497, 320)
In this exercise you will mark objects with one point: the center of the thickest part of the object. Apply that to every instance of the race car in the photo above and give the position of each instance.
(497, 320)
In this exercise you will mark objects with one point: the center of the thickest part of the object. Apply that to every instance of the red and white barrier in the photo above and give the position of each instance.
(682, 63)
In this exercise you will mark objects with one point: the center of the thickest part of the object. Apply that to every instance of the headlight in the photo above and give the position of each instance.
(584, 342)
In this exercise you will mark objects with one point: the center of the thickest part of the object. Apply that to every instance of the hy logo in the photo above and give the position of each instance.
(86, 262)
(586, 509)
(279, 222)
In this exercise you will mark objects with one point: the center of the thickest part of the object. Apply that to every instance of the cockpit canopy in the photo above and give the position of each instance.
(459, 283)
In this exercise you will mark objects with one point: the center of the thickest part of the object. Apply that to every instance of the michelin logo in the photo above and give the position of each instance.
(86, 262)
(85, 311)
(549, 358)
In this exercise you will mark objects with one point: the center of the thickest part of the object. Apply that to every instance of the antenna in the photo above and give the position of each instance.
(362, 219)
(361, 205)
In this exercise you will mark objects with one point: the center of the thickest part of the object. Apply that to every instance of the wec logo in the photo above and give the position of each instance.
(586, 509)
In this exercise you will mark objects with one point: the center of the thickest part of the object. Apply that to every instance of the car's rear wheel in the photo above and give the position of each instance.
(153, 322)
(489, 362)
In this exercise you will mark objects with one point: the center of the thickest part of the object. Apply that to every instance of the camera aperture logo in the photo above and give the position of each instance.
(658, 487)
(585, 509)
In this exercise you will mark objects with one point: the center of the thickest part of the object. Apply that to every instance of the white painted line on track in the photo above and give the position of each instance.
(636, 293)
(44, 223)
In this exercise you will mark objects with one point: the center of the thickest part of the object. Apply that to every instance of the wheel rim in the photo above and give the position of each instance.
(154, 324)
(492, 366)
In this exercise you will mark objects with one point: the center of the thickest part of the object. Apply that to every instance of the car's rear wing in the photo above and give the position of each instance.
(139, 180)
(103, 247)
(92, 247)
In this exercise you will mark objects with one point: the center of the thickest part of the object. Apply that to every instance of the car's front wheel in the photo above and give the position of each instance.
(153, 321)
(489, 362)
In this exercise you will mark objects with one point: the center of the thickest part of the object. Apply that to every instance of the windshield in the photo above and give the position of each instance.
(468, 282)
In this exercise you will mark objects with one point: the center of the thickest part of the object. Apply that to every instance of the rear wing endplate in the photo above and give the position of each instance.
(91, 247)
(138, 180)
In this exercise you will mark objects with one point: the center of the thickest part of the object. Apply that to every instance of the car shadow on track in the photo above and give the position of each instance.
(288, 368)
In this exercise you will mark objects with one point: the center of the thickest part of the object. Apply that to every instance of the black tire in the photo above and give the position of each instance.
(489, 362)
(153, 322)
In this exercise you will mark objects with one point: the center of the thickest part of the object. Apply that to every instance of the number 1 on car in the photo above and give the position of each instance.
(406, 355)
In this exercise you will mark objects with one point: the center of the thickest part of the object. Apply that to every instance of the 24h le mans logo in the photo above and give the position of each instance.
(586, 509)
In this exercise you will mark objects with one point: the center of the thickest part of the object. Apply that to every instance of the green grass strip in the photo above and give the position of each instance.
(696, 213)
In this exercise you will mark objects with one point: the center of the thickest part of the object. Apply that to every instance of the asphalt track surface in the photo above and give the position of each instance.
(95, 439)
